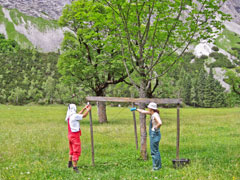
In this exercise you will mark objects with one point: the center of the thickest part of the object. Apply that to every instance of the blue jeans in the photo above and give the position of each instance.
(155, 137)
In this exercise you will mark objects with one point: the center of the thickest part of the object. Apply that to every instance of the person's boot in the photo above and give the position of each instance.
(70, 164)
(75, 169)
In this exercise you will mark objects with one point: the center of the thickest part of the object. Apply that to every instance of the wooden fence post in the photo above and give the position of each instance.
(135, 128)
(91, 130)
(178, 131)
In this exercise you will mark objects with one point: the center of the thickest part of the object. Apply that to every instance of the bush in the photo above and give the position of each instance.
(235, 48)
(188, 56)
(215, 48)
(233, 99)
(221, 60)
(18, 96)
(203, 57)
(3, 97)
(237, 61)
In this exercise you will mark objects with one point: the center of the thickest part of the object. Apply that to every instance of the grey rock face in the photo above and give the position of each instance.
(48, 9)
(232, 7)
(52, 9)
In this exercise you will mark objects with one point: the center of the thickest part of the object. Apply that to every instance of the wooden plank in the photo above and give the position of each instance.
(134, 100)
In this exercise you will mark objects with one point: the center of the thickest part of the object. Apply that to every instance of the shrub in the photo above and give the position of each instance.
(188, 56)
(203, 57)
(18, 96)
(235, 48)
(215, 48)
(237, 61)
(221, 60)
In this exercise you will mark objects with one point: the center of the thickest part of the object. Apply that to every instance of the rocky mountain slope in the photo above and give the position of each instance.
(232, 7)
(32, 23)
(47, 39)
(30, 32)
(48, 9)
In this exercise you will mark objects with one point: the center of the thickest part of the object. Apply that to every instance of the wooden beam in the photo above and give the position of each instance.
(134, 100)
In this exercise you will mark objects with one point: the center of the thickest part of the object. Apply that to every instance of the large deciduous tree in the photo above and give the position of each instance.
(154, 34)
(90, 51)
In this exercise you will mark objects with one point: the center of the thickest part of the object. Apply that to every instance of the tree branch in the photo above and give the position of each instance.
(155, 86)
(88, 52)
(130, 49)
(168, 37)
(111, 6)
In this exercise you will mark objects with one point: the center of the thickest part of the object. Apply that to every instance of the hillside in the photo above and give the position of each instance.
(47, 9)
(33, 23)
(29, 31)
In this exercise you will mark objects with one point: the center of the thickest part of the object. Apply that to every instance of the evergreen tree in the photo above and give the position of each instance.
(49, 88)
(187, 85)
(201, 87)
(180, 83)
(18, 96)
(209, 94)
(220, 97)
(194, 95)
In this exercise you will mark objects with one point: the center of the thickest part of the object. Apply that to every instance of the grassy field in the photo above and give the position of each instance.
(34, 145)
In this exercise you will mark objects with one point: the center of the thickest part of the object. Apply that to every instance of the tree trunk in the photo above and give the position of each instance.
(101, 107)
(142, 117)
(149, 91)
(102, 116)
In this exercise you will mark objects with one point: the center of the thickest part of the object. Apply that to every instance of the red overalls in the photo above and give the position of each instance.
(74, 143)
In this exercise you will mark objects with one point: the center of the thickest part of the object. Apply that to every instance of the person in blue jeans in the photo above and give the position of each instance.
(154, 133)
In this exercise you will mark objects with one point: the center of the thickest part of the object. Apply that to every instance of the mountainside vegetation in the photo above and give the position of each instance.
(12, 33)
(30, 76)
(27, 76)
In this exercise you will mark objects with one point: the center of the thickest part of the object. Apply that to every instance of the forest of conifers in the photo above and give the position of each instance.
(28, 76)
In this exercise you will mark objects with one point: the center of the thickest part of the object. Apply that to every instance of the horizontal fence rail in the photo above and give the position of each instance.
(134, 100)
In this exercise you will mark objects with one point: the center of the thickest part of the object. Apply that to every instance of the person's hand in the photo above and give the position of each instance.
(89, 107)
(86, 106)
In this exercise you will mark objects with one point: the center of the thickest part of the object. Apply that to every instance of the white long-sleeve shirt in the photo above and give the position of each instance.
(74, 122)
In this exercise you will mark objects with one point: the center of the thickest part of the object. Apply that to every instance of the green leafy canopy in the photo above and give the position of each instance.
(90, 51)
(154, 34)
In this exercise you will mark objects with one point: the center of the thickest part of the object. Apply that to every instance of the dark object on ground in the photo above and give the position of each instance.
(177, 163)
(70, 164)
(75, 169)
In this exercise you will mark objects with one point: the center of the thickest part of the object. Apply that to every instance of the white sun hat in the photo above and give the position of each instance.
(152, 105)
(72, 109)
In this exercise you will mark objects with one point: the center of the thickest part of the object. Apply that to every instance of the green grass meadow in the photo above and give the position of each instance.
(34, 145)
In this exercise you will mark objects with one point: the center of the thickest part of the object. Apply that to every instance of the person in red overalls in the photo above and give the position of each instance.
(74, 133)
